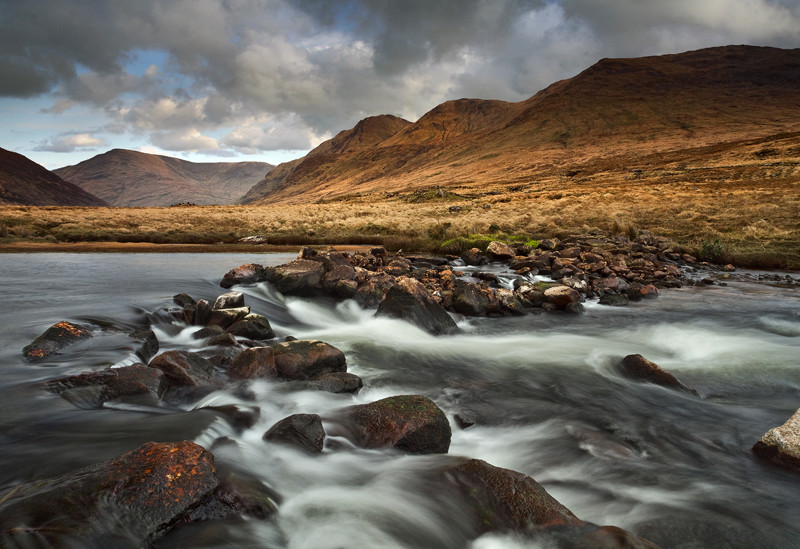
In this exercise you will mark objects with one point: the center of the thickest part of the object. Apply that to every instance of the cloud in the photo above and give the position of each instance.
(184, 140)
(282, 74)
(70, 143)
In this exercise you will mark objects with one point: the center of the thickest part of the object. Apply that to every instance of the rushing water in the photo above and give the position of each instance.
(669, 466)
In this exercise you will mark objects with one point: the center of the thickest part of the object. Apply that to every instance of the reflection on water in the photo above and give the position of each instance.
(542, 390)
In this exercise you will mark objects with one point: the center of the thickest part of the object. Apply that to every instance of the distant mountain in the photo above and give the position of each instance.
(135, 179)
(24, 182)
(618, 108)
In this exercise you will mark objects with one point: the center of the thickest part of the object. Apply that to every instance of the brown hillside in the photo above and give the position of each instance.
(617, 111)
(129, 178)
(24, 182)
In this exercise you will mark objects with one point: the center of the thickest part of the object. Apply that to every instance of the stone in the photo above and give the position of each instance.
(409, 300)
(225, 318)
(230, 300)
(371, 292)
(299, 277)
(110, 384)
(250, 273)
(240, 417)
(183, 368)
(638, 368)
(411, 423)
(500, 251)
(252, 326)
(202, 313)
(148, 343)
(304, 431)
(56, 338)
(474, 257)
(614, 300)
(125, 502)
(337, 382)
(307, 359)
(781, 445)
(470, 299)
(253, 363)
(562, 296)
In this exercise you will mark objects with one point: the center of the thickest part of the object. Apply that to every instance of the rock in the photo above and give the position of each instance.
(474, 257)
(502, 500)
(500, 251)
(225, 318)
(57, 337)
(411, 423)
(110, 384)
(470, 299)
(638, 368)
(649, 291)
(183, 368)
(371, 291)
(202, 313)
(208, 332)
(250, 273)
(230, 300)
(337, 382)
(304, 431)
(332, 280)
(148, 343)
(307, 359)
(239, 416)
(125, 502)
(253, 363)
(549, 244)
(781, 445)
(299, 277)
(614, 300)
(252, 326)
(562, 296)
(410, 301)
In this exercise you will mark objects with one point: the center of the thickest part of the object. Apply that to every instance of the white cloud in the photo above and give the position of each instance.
(184, 140)
(70, 143)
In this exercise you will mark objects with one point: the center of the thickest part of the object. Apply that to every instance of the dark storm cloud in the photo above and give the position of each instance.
(272, 70)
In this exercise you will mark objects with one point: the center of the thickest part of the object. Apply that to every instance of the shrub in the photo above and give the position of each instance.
(711, 251)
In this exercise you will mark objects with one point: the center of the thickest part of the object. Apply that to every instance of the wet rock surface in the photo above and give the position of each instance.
(57, 337)
(638, 368)
(781, 445)
(303, 431)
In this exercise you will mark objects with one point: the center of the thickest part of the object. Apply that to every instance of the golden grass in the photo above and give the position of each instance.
(747, 200)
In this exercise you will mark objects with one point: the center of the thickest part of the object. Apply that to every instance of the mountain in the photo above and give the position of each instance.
(129, 178)
(615, 112)
(24, 182)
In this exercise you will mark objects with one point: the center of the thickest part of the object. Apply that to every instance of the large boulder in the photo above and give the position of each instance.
(307, 359)
(337, 382)
(230, 300)
(562, 297)
(410, 301)
(253, 363)
(304, 431)
(184, 368)
(124, 502)
(250, 273)
(299, 277)
(781, 445)
(57, 337)
(411, 423)
(638, 368)
(474, 257)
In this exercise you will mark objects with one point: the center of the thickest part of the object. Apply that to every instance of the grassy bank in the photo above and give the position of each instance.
(751, 229)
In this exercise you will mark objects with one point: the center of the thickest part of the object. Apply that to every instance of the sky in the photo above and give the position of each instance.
(267, 80)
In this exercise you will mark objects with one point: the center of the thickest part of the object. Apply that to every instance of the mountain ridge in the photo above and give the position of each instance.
(615, 108)
(128, 178)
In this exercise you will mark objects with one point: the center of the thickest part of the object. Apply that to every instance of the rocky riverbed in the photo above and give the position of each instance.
(137, 497)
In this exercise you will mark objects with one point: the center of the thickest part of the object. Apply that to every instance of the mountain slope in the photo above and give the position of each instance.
(618, 108)
(129, 178)
(24, 182)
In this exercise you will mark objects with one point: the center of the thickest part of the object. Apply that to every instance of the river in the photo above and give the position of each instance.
(669, 466)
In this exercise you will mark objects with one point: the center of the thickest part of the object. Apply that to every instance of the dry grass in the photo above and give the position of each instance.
(741, 196)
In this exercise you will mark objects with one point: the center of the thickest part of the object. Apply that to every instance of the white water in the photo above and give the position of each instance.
(669, 466)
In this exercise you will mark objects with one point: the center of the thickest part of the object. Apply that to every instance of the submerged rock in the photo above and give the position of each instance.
(92, 389)
(410, 301)
(411, 423)
(303, 431)
(57, 337)
(127, 501)
(337, 382)
(638, 368)
(781, 445)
